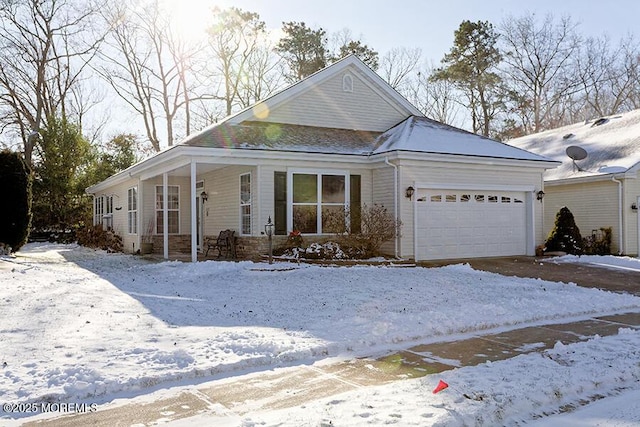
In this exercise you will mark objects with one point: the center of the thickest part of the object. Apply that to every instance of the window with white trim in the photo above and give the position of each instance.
(98, 209)
(173, 209)
(316, 196)
(245, 203)
(108, 212)
(132, 210)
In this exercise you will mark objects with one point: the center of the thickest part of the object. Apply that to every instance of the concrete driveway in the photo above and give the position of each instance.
(587, 275)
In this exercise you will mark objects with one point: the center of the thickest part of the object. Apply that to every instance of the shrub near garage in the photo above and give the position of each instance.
(565, 236)
(15, 219)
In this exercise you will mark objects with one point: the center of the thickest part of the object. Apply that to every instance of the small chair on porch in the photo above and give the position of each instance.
(225, 243)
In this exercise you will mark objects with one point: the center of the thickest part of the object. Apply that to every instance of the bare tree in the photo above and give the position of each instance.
(537, 66)
(398, 65)
(243, 62)
(437, 99)
(148, 67)
(606, 75)
(45, 46)
(263, 77)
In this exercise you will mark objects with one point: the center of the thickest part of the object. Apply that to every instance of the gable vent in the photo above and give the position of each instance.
(347, 83)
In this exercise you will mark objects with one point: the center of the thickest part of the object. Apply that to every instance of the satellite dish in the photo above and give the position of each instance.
(576, 153)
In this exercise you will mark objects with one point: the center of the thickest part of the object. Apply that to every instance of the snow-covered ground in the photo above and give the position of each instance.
(83, 326)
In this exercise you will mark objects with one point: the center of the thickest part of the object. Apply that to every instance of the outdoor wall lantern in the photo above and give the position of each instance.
(540, 195)
(409, 192)
(634, 207)
(204, 196)
(268, 230)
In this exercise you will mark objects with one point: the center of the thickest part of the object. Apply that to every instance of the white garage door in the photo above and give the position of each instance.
(470, 224)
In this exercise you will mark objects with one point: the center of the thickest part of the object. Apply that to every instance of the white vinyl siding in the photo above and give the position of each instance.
(221, 210)
(593, 205)
(329, 105)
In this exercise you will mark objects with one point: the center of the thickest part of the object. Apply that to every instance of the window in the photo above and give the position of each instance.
(280, 202)
(245, 203)
(132, 210)
(173, 209)
(465, 198)
(98, 210)
(436, 198)
(316, 198)
(450, 198)
(108, 214)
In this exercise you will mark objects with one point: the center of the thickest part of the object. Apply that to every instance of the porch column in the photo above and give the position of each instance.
(194, 219)
(165, 215)
(141, 225)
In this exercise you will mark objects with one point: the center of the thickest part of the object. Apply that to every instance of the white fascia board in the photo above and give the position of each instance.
(461, 158)
(135, 170)
(587, 179)
(256, 156)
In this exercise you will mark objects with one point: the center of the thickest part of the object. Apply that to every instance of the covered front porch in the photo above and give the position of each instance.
(186, 202)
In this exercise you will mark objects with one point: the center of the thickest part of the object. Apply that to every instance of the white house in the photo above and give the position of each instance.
(339, 138)
(598, 179)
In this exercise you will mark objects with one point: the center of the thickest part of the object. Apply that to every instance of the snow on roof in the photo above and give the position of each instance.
(612, 144)
(420, 134)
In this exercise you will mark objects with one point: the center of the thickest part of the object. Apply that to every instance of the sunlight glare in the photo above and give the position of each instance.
(190, 18)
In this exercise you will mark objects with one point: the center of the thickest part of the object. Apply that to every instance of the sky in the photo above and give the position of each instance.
(424, 24)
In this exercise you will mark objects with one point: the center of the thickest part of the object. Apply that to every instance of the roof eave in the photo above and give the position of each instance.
(588, 179)
(465, 158)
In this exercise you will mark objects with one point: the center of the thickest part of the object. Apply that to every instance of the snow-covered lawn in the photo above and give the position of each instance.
(79, 324)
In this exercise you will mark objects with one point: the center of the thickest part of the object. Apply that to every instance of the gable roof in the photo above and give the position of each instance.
(420, 134)
(349, 63)
(612, 144)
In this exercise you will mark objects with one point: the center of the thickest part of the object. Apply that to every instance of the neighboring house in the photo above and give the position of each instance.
(601, 189)
(339, 138)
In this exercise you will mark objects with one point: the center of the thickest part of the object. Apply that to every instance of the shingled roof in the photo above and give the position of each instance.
(284, 137)
(424, 135)
(612, 144)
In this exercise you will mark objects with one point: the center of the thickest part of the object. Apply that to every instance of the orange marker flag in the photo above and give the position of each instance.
(441, 386)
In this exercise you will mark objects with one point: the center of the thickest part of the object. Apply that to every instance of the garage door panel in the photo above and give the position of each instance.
(465, 224)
